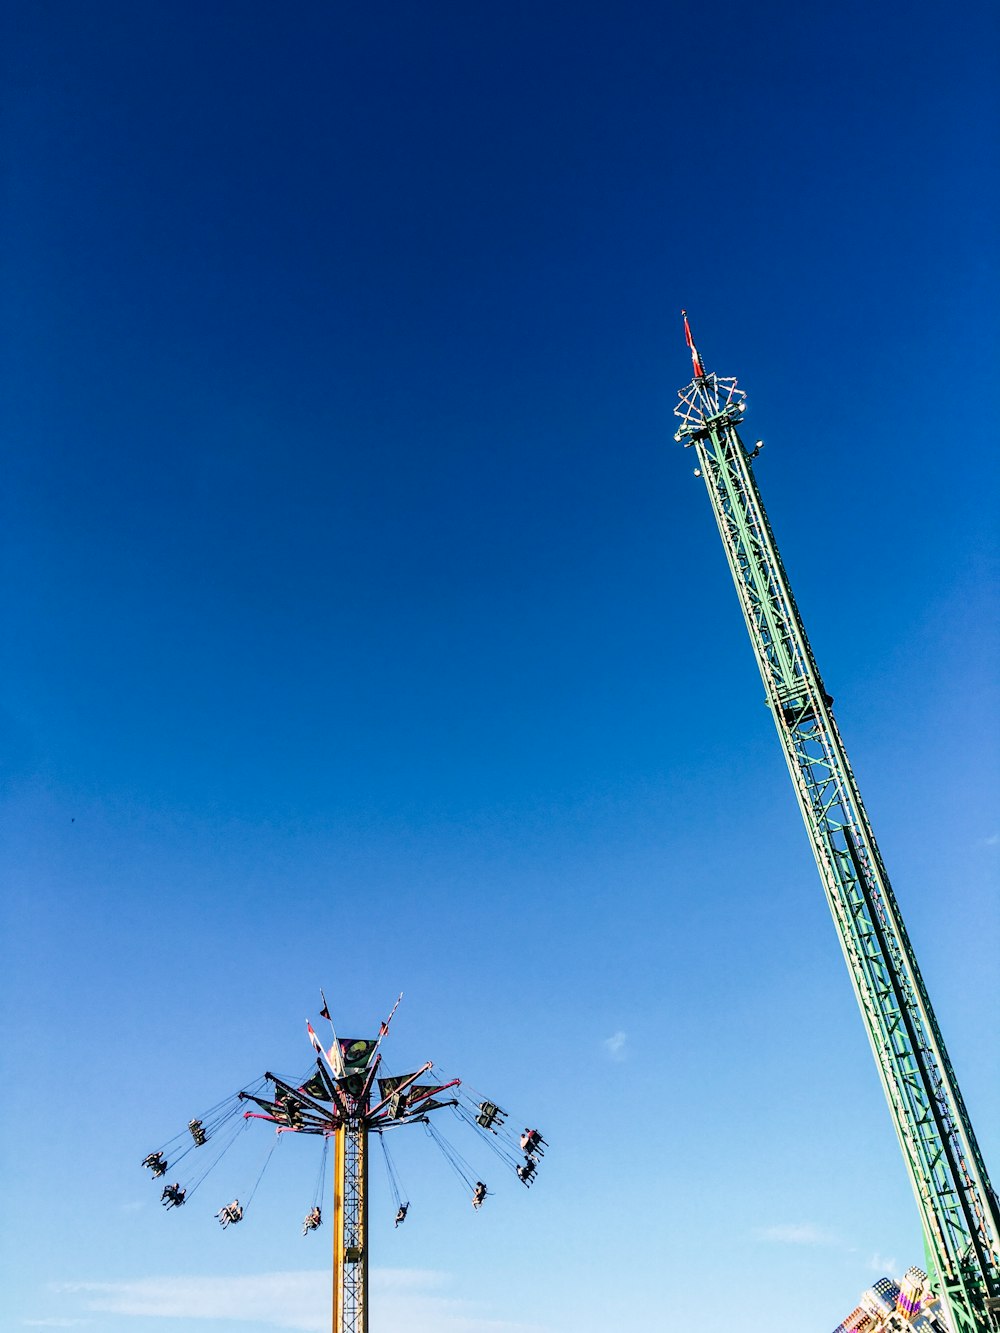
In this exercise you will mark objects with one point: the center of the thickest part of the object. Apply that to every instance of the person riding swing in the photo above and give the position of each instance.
(156, 1164)
(230, 1214)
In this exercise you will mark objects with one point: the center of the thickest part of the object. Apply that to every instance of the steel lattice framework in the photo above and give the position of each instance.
(350, 1227)
(958, 1207)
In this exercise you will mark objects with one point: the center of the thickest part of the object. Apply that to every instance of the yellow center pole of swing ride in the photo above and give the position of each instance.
(350, 1229)
(339, 1157)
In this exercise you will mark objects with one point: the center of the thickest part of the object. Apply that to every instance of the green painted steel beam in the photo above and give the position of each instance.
(958, 1208)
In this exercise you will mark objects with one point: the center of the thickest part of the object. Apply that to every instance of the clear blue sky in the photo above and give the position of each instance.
(365, 628)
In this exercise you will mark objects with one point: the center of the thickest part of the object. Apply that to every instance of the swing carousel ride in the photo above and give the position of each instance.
(346, 1095)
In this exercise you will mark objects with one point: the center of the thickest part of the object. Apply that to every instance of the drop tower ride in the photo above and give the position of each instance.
(959, 1210)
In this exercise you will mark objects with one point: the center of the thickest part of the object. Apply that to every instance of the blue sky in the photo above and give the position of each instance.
(366, 628)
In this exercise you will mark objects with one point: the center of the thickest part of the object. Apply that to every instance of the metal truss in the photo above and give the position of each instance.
(958, 1208)
(350, 1228)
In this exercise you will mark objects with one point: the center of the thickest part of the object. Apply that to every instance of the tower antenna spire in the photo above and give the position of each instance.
(699, 369)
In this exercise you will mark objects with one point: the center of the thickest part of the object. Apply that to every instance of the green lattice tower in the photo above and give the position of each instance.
(958, 1208)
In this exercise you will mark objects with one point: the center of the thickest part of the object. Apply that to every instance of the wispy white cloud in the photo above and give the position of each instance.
(414, 1298)
(55, 1323)
(616, 1046)
(884, 1267)
(992, 841)
(796, 1233)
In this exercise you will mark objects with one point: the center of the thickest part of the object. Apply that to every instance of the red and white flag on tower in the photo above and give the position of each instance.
(332, 1057)
(699, 369)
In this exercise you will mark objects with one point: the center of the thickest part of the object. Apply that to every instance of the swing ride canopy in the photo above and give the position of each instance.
(346, 1086)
